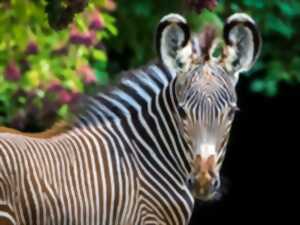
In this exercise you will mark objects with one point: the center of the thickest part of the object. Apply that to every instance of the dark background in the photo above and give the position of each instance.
(260, 168)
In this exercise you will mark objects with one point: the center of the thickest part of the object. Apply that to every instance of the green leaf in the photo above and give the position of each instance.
(22, 99)
(271, 88)
(287, 9)
(258, 4)
(257, 86)
(280, 26)
(99, 55)
(143, 8)
(102, 77)
(112, 29)
(80, 23)
(235, 7)
(63, 111)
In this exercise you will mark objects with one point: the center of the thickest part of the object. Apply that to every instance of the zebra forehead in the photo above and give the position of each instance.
(212, 86)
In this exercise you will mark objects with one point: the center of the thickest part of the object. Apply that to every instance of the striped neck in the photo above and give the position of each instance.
(144, 107)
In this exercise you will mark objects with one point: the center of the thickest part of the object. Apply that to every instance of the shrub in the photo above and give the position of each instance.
(44, 71)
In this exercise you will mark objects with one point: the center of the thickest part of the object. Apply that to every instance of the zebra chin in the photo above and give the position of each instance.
(205, 195)
(210, 197)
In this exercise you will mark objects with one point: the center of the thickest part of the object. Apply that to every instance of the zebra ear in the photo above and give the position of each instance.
(173, 43)
(242, 44)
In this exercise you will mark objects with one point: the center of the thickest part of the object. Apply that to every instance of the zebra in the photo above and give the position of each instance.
(141, 152)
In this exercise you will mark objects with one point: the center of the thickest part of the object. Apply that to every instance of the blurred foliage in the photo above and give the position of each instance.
(61, 12)
(42, 71)
(200, 5)
(137, 21)
(278, 21)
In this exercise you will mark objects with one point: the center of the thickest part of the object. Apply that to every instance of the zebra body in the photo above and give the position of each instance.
(104, 170)
(127, 159)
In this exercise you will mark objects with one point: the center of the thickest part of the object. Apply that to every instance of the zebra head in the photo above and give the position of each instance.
(205, 90)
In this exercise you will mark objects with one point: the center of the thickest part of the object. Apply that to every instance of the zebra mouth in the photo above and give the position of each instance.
(206, 193)
(202, 193)
(199, 192)
(207, 196)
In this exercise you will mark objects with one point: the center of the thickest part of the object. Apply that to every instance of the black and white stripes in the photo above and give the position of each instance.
(126, 160)
(123, 162)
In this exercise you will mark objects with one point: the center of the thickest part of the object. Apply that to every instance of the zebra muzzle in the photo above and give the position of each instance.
(204, 180)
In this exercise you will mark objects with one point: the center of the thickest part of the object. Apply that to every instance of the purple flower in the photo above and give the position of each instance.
(87, 38)
(96, 21)
(87, 74)
(32, 48)
(90, 79)
(67, 97)
(63, 50)
(12, 72)
(75, 36)
(75, 97)
(55, 86)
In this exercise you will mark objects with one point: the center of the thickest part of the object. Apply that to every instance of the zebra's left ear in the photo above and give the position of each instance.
(173, 43)
(242, 44)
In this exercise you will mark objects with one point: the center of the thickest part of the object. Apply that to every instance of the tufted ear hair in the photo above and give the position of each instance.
(242, 44)
(173, 43)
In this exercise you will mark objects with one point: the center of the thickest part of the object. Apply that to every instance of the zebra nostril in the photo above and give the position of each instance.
(191, 181)
(216, 184)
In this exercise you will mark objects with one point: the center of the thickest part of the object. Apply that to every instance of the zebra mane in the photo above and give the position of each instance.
(201, 43)
(83, 106)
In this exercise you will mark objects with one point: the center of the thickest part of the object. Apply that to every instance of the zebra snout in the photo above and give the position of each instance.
(206, 186)
(206, 180)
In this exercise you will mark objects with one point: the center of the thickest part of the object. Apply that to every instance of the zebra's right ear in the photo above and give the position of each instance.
(173, 43)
